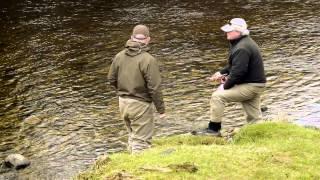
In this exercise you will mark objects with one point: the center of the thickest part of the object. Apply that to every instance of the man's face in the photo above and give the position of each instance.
(141, 38)
(233, 35)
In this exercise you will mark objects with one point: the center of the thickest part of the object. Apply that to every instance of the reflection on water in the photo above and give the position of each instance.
(57, 108)
(311, 117)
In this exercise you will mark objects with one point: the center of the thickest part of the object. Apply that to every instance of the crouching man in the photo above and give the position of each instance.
(245, 74)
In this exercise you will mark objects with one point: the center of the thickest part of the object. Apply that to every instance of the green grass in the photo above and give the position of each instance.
(261, 151)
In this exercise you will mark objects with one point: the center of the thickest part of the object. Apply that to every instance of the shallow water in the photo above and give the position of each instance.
(57, 108)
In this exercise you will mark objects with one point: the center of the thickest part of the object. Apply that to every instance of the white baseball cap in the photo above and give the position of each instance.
(236, 24)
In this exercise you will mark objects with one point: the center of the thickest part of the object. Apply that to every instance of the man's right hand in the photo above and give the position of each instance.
(162, 116)
(216, 77)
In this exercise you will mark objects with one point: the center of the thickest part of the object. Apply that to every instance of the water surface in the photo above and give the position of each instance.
(57, 108)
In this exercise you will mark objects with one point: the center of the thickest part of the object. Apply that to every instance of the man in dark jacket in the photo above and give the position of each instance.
(244, 78)
(136, 76)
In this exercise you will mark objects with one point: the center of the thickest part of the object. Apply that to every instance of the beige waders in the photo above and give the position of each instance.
(139, 121)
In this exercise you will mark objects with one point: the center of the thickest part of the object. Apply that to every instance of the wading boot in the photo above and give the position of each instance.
(215, 126)
(213, 129)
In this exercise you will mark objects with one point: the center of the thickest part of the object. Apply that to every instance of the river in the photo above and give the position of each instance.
(57, 108)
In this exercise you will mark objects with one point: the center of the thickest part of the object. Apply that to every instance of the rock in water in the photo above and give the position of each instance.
(32, 120)
(16, 161)
(264, 109)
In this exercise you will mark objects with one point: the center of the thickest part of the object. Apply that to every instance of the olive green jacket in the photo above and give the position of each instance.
(135, 74)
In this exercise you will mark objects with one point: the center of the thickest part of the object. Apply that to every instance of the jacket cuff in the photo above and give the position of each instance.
(228, 85)
(161, 110)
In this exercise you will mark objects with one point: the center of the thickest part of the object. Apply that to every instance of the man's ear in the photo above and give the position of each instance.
(148, 40)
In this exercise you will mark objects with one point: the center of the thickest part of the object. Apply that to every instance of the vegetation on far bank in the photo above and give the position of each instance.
(272, 150)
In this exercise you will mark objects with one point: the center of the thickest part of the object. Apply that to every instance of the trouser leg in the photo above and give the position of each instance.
(123, 107)
(238, 93)
(138, 117)
(142, 130)
(252, 108)
(217, 106)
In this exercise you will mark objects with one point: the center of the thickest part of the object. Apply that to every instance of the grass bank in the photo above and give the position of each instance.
(260, 151)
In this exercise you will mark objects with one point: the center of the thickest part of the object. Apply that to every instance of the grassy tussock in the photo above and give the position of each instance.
(262, 151)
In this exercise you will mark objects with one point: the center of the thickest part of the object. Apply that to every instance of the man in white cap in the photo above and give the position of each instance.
(243, 78)
(136, 76)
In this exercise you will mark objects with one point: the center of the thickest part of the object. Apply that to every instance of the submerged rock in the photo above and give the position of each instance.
(32, 120)
(264, 109)
(16, 161)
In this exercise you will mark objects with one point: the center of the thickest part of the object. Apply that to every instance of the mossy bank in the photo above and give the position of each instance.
(260, 151)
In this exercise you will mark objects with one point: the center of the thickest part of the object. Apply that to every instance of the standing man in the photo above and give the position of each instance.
(244, 78)
(136, 76)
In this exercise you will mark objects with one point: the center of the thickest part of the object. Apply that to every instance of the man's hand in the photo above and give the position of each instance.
(216, 77)
(223, 79)
(162, 116)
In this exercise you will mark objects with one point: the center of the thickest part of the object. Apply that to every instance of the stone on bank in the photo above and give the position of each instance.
(16, 161)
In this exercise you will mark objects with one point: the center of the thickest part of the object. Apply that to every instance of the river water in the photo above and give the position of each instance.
(57, 108)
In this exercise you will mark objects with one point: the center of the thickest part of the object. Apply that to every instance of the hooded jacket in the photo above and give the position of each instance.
(245, 63)
(135, 74)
